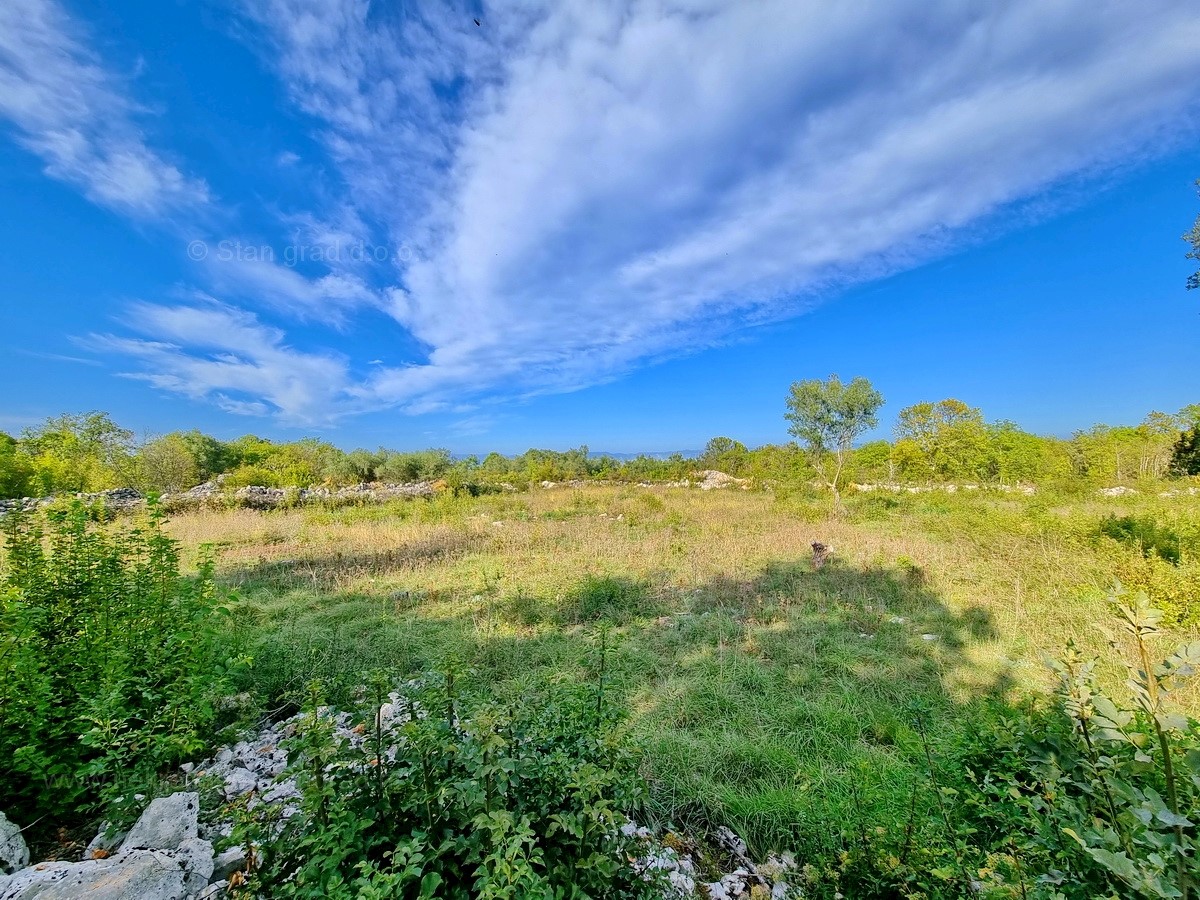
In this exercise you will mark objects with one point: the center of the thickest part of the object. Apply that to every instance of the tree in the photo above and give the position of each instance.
(725, 454)
(827, 416)
(951, 436)
(16, 469)
(167, 464)
(1018, 455)
(1185, 459)
(85, 452)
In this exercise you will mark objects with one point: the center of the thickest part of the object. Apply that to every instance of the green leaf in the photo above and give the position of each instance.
(1117, 863)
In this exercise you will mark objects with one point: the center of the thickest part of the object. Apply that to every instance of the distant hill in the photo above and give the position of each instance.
(653, 454)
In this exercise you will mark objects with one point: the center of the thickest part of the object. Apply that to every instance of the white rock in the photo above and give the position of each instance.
(166, 823)
(196, 856)
(14, 853)
(102, 841)
(228, 862)
(136, 875)
(238, 782)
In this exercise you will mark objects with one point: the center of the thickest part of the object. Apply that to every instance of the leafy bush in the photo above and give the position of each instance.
(1185, 455)
(1086, 797)
(1175, 589)
(1096, 798)
(109, 663)
(1145, 534)
(448, 797)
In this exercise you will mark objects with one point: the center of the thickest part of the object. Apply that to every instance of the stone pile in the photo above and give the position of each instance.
(708, 480)
(118, 498)
(162, 857)
(212, 495)
(1027, 489)
(258, 497)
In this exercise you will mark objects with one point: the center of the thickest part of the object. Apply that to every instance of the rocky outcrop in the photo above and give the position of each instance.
(162, 858)
(14, 854)
(712, 480)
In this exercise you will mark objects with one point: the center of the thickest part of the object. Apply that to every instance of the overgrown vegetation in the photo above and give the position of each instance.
(947, 441)
(886, 718)
(110, 662)
(524, 800)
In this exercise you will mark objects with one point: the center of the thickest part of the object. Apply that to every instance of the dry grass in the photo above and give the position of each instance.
(1028, 585)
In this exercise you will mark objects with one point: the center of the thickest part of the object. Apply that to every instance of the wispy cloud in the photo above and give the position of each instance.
(70, 111)
(57, 357)
(586, 187)
(233, 361)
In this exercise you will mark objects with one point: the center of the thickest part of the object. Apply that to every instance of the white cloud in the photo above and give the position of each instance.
(69, 111)
(588, 186)
(215, 353)
(268, 276)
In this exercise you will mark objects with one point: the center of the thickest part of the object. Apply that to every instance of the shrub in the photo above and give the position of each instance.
(453, 798)
(109, 662)
(1185, 455)
(613, 600)
(1144, 534)
(1175, 589)
(1095, 797)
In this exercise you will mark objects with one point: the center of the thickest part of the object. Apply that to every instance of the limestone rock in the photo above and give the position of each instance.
(166, 823)
(135, 875)
(196, 855)
(14, 854)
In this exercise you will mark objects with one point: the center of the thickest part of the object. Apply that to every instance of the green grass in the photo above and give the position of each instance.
(768, 697)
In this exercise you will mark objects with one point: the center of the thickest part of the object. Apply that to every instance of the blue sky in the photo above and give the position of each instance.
(629, 225)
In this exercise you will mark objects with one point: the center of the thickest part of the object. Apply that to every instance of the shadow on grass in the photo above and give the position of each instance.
(784, 704)
(337, 570)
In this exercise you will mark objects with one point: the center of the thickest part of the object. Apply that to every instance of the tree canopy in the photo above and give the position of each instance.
(827, 416)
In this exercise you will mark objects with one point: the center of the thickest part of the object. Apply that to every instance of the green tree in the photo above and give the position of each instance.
(1185, 457)
(16, 469)
(167, 463)
(725, 454)
(1018, 455)
(80, 452)
(210, 456)
(827, 416)
(422, 465)
(950, 434)
(872, 462)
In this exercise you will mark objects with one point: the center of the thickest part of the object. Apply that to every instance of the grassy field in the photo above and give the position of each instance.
(770, 697)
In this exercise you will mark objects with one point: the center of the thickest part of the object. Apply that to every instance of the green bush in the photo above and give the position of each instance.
(475, 801)
(109, 661)
(1175, 589)
(1095, 797)
(1145, 534)
(1083, 797)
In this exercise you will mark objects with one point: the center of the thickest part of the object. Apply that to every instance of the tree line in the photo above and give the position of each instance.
(943, 441)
